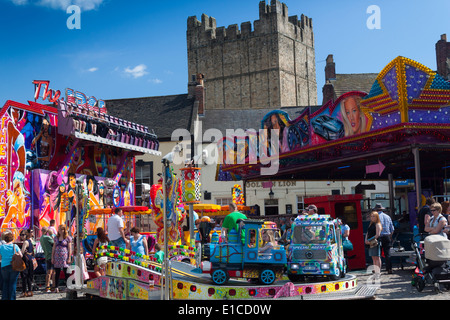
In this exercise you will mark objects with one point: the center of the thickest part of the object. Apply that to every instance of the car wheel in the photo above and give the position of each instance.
(338, 274)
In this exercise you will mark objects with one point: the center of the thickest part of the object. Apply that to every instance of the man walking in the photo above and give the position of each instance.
(386, 235)
(47, 245)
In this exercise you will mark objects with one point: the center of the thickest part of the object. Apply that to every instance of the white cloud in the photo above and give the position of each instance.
(20, 2)
(136, 72)
(85, 5)
(155, 81)
(93, 69)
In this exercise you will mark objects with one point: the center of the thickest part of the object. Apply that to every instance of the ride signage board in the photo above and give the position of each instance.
(77, 98)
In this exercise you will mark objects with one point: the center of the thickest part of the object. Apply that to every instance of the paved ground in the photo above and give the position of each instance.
(396, 286)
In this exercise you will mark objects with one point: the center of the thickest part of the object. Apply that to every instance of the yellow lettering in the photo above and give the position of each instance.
(2, 150)
(3, 135)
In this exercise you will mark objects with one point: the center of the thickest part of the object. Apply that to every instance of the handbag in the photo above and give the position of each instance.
(347, 245)
(17, 262)
(373, 243)
(35, 264)
(31, 256)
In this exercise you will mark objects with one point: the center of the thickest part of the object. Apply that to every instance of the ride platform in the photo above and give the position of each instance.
(127, 281)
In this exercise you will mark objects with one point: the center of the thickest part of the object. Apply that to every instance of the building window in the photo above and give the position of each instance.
(224, 201)
(300, 204)
(271, 207)
(143, 181)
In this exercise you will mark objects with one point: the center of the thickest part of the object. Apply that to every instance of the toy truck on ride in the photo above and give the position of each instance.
(316, 248)
(241, 256)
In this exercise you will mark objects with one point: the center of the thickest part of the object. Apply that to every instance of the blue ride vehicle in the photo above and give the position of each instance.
(316, 248)
(242, 255)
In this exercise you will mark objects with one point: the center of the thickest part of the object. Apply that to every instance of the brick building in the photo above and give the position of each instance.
(443, 57)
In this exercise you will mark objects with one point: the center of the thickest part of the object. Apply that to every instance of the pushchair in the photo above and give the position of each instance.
(433, 265)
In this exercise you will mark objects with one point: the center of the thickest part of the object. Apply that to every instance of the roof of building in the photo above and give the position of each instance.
(352, 82)
(223, 119)
(162, 114)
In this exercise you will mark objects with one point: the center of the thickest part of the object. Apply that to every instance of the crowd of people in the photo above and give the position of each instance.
(59, 249)
(434, 218)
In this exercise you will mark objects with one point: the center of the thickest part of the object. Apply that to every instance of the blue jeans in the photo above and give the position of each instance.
(119, 243)
(9, 283)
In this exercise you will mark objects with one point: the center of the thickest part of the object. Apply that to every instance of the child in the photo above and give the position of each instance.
(159, 255)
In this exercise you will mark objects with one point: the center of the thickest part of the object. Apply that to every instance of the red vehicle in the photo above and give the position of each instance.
(348, 208)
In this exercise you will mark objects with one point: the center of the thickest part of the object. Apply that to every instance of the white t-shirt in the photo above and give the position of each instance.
(114, 223)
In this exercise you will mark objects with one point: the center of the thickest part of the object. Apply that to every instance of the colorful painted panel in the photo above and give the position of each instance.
(114, 288)
(59, 204)
(194, 290)
(340, 119)
(292, 135)
(404, 92)
(31, 148)
(27, 142)
(142, 291)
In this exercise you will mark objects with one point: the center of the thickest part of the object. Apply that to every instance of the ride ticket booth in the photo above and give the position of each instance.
(348, 209)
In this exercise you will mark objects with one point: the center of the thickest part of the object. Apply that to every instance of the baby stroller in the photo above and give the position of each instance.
(433, 265)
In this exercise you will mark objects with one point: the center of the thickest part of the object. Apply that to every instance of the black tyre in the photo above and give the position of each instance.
(420, 284)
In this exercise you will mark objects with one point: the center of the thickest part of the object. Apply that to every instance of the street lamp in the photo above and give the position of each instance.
(271, 194)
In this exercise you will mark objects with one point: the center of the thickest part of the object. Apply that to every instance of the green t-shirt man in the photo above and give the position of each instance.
(47, 246)
(230, 221)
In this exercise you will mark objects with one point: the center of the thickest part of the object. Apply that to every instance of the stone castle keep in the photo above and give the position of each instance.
(271, 66)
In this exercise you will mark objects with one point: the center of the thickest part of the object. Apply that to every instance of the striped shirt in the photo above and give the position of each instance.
(386, 224)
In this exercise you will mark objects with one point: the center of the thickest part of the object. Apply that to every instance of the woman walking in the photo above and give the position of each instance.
(28, 255)
(9, 276)
(372, 236)
(61, 254)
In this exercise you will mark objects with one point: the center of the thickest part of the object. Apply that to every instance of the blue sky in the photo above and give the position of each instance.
(137, 48)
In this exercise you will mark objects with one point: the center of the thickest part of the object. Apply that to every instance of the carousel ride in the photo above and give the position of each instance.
(130, 275)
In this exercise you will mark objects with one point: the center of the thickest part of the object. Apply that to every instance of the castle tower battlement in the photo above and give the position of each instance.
(268, 64)
(272, 18)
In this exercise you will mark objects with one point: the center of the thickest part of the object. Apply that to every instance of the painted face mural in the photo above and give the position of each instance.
(14, 192)
(352, 117)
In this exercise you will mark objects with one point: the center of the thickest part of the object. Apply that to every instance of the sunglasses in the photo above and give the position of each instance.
(433, 210)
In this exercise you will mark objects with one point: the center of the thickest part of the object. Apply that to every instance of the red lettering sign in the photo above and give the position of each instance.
(49, 94)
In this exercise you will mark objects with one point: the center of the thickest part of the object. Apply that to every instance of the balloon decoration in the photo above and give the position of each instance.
(238, 195)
